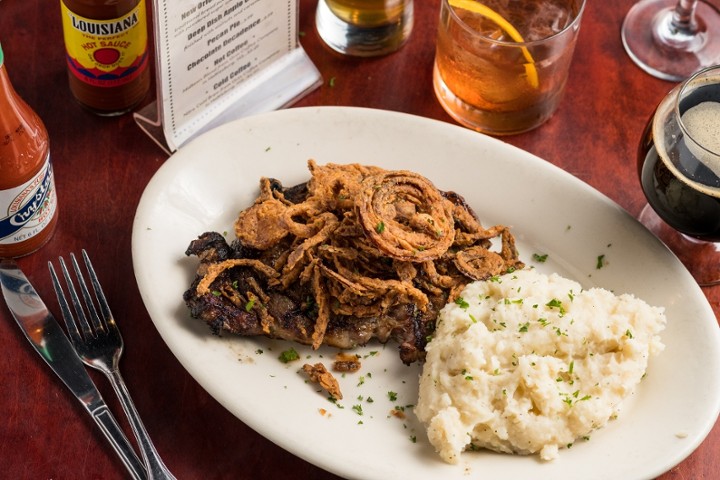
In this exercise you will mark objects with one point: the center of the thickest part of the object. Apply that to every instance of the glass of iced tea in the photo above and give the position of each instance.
(364, 28)
(501, 66)
(679, 169)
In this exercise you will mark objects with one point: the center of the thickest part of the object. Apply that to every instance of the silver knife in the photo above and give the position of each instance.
(49, 340)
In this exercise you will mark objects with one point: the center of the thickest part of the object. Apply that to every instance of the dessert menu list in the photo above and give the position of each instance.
(221, 59)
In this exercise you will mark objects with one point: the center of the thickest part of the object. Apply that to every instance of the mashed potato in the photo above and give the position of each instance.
(528, 363)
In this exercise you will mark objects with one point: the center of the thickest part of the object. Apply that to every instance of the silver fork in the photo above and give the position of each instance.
(99, 343)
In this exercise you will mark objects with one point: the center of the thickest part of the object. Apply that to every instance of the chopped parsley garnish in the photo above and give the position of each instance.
(555, 303)
(289, 355)
(358, 409)
(540, 258)
(249, 305)
(572, 398)
(380, 227)
(392, 396)
(460, 301)
(600, 262)
(559, 332)
(524, 327)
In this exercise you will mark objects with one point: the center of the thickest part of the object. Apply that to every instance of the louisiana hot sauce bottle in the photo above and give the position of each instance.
(28, 201)
(106, 45)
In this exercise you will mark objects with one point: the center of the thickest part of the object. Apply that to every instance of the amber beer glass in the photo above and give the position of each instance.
(364, 28)
(501, 67)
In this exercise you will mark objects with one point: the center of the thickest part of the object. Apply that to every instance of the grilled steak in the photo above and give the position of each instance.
(294, 311)
(356, 254)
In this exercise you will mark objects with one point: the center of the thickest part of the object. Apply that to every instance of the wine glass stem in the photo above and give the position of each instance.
(678, 28)
(683, 18)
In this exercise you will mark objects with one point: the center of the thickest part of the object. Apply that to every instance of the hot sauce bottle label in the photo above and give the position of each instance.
(26, 210)
(106, 53)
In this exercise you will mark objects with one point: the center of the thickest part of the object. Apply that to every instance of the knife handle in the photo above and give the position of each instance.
(109, 426)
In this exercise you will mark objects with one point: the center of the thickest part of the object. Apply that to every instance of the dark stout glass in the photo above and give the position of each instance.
(682, 190)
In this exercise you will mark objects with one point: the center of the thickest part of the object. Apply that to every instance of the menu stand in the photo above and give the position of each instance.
(219, 60)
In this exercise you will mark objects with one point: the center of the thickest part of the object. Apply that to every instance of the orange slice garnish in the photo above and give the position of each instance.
(487, 12)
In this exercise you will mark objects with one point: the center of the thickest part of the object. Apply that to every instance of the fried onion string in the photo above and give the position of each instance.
(363, 241)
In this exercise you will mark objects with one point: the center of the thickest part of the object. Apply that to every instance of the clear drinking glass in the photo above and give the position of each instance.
(679, 169)
(672, 39)
(501, 67)
(364, 28)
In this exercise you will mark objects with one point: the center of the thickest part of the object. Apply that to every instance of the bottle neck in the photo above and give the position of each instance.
(25, 146)
(10, 104)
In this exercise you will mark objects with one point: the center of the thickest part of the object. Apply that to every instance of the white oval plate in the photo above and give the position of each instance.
(203, 187)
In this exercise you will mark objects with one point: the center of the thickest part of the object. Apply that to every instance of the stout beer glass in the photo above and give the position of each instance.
(679, 169)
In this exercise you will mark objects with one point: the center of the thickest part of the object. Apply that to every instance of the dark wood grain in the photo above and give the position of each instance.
(103, 165)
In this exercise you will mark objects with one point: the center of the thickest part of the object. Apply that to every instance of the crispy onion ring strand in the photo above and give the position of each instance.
(405, 216)
(216, 269)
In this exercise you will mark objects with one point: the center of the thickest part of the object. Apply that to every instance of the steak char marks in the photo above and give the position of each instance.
(294, 311)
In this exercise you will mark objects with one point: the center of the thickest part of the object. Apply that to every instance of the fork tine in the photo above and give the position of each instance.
(64, 307)
(99, 294)
(98, 323)
(87, 329)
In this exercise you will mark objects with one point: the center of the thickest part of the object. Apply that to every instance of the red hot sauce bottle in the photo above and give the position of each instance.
(106, 44)
(28, 201)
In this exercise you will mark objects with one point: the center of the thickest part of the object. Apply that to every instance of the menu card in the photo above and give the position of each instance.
(218, 60)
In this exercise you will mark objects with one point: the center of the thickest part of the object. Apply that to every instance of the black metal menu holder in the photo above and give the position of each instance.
(219, 60)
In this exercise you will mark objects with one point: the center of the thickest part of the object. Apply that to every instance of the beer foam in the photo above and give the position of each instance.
(703, 124)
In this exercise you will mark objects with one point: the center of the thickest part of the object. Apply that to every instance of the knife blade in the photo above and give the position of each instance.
(49, 340)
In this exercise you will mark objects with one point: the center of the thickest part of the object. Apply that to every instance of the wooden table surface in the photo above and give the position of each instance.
(103, 165)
